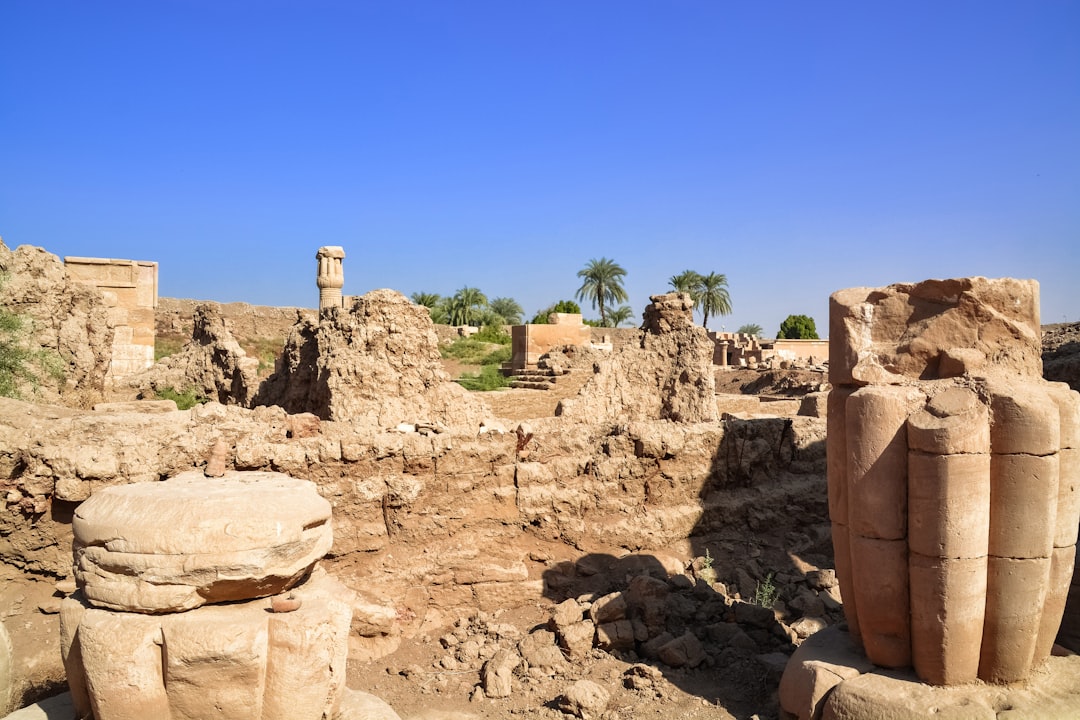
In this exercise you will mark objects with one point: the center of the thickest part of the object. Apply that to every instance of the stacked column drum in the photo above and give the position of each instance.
(954, 479)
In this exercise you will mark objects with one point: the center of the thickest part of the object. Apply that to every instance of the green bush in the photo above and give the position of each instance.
(489, 378)
(497, 357)
(493, 334)
(563, 306)
(798, 327)
(184, 400)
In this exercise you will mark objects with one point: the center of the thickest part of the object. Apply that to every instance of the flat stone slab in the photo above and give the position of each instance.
(179, 544)
(828, 679)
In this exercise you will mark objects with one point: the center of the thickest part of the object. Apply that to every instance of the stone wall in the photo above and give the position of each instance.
(174, 317)
(130, 290)
(529, 342)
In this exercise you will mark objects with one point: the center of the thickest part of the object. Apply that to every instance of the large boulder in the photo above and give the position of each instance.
(375, 363)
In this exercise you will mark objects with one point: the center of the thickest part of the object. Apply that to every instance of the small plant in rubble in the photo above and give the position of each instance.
(707, 573)
(766, 592)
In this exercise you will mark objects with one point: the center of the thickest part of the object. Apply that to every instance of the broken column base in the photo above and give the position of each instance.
(355, 705)
(828, 678)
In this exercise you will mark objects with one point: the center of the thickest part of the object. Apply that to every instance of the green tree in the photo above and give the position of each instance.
(508, 308)
(798, 327)
(620, 315)
(689, 282)
(750, 329)
(563, 306)
(602, 285)
(428, 300)
(713, 297)
(465, 306)
(435, 304)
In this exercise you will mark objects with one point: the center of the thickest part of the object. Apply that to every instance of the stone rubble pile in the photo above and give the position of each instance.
(650, 611)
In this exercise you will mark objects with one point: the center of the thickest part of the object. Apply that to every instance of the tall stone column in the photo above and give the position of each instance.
(953, 491)
(331, 276)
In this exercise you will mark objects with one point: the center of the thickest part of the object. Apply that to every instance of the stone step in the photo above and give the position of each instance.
(531, 385)
(539, 375)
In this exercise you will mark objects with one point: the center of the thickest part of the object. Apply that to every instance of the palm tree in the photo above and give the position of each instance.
(508, 308)
(464, 307)
(435, 304)
(688, 282)
(713, 298)
(619, 315)
(428, 300)
(750, 329)
(602, 284)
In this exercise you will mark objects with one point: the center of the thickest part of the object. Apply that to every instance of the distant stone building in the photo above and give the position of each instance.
(130, 289)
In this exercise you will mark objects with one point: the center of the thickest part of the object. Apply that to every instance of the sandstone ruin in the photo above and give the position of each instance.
(130, 289)
(330, 277)
(954, 491)
(650, 552)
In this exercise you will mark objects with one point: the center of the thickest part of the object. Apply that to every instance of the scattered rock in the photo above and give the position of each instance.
(584, 699)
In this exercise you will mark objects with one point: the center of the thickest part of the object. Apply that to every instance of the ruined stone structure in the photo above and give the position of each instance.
(954, 481)
(168, 622)
(529, 342)
(669, 375)
(130, 289)
(742, 350)
(331, 276)
(212, 364)
(375, 363)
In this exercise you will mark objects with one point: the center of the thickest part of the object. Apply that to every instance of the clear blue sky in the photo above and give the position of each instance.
(797, 147)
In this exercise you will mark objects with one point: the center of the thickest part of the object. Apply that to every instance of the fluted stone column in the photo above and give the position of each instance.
(953, 483)
(331, 275)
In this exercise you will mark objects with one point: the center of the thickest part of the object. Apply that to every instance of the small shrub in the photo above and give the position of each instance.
(489, 378)
(497, 357)
(707, 572)
(20, 365)
(468, 351)
(184, 400)
(766, 592)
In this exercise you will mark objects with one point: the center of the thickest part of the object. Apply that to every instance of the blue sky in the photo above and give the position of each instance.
(797, 147)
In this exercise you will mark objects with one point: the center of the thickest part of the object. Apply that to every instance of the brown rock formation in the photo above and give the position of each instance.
(376, 363)
(66, 319)
(212, 364)
(668, 376)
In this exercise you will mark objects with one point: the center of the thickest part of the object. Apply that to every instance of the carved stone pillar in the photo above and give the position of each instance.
(953, 503)
(331, 276)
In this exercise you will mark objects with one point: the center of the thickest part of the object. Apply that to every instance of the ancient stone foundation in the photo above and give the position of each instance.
(954, 490)
(173, 618)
